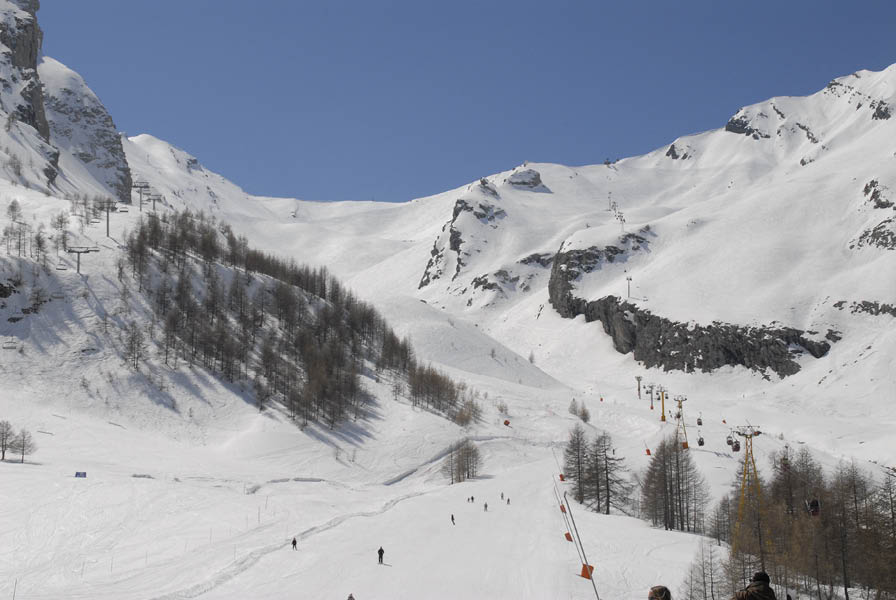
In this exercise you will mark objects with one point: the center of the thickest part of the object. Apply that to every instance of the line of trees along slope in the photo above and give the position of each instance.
(822, 534)
(295, 331)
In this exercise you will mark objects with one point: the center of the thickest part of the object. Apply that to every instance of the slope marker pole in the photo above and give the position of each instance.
(587, 564)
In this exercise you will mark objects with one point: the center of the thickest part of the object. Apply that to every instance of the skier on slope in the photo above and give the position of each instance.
(485, 507)
(452, 519)
(294, 542)
(380, 552)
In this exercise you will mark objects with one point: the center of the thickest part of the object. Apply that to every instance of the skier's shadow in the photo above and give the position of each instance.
(385, 564)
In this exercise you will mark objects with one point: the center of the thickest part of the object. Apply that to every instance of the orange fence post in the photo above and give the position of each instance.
(562, 509)
(561, 477)
(587, 570)
(568, 537)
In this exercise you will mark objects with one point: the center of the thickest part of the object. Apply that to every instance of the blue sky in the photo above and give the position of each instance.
(387, 100)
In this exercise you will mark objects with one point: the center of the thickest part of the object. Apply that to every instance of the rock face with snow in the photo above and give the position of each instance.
(57, 136)
(448, 252)
(83, 130)
(26, 133)
(22, 37)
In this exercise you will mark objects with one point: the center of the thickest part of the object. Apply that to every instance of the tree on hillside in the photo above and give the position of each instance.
(14, 210)
(673, 492)
(6, 437)
(59, 222)
(462, 462)
(575, 460)
(706, 578)
(23, 444)
(134, 344)
(606, 480)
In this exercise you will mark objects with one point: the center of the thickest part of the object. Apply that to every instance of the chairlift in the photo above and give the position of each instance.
(735, 446)
(10, 345)
(95, 220)
(700, 441)
(122, 209)
(729, 440)
(700, 420)
(813, 507)
(785, 464)
(61, 267)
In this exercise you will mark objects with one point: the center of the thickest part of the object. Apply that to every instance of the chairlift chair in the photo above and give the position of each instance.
(10, 345)
(729, 440)
(61, 267)
(813, 507)
(700, 420)
(735, 446)
(700, 441)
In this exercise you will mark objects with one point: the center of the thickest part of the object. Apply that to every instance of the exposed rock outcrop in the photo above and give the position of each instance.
(741, 125)
(869, 307)
(875, 193)
(570, 265)
(659, 342)
(82, 128)
(882, 235)
(22, 38)
(451, 239)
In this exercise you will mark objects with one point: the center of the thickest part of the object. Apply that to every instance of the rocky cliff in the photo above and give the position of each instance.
(83, 130)
(659, 342)
(22, 37)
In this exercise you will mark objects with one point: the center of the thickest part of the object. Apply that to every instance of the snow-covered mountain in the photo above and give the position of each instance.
(57, 135)
(751, 268)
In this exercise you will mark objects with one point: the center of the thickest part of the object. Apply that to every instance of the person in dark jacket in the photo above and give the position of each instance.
(759, 589)
(380, 552)
(659, 592)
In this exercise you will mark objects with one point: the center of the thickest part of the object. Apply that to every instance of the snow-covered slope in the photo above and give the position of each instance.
(782, 219)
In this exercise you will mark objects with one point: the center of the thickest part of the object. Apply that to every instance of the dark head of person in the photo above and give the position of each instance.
(659, 592)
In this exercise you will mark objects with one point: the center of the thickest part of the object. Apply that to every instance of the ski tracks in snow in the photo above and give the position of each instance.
(244, 563)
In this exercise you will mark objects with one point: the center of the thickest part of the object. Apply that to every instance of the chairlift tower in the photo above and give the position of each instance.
(679, 417)
(662, 392)
(749, 487)
(79, 250)
(141, 187)
(628, 279)
(649, 387)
